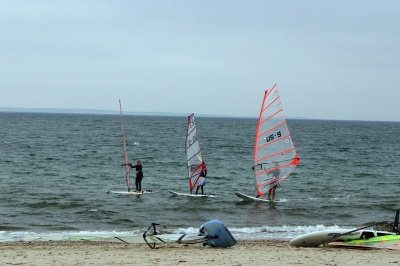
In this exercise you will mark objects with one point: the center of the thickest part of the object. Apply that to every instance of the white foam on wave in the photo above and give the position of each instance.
(189, 230)
(284, 232)
(57, 236)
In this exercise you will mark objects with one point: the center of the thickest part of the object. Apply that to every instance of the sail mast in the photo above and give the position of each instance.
(125, 150)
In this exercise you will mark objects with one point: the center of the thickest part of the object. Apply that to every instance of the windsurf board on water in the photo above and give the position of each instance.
(192, 195)
(196, 166)
(135, 193)
(126, 164)
(274, 154)
(316, 239)
(251, 198)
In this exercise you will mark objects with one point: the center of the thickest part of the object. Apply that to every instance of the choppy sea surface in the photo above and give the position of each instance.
(55, 170)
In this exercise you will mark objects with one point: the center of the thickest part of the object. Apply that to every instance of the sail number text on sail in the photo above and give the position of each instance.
(273, 136)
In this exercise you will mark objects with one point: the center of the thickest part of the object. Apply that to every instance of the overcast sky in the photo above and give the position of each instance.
(331, 59)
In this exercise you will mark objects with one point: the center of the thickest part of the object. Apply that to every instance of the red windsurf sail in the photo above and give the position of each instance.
(194, 156)
(275, 156)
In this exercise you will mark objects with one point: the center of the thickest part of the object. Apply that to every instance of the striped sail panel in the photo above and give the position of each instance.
(274, 153)
(193, 153)
(125, 150)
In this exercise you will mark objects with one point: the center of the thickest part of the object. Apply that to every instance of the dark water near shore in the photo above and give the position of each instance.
(56, 168)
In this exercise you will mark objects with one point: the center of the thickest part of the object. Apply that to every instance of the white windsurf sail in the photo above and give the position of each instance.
(126, 166)
(275, 156)
(195, 160)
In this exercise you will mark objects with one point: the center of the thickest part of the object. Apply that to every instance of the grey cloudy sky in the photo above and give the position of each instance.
(331, 59)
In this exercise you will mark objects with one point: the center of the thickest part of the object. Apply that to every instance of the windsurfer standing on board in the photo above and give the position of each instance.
(275, 174)
(202, 178)
(139, 175)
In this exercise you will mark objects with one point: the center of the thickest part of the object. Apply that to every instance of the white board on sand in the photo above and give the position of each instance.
(135, 193)
(192, 195)
(316, 239)
(251, 198)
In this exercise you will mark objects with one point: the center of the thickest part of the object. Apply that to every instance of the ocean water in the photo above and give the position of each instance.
(55, 170)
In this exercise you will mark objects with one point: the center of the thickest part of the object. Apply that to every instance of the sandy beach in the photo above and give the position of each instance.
(244, 253)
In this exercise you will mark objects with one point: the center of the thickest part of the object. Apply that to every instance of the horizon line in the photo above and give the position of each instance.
(49, 110)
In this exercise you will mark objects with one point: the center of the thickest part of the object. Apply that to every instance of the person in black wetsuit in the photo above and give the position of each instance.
(139, 175)
(202, 179)
(275, 174)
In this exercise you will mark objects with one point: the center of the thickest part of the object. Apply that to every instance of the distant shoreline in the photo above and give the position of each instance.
(105, 112)
(159, 114)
